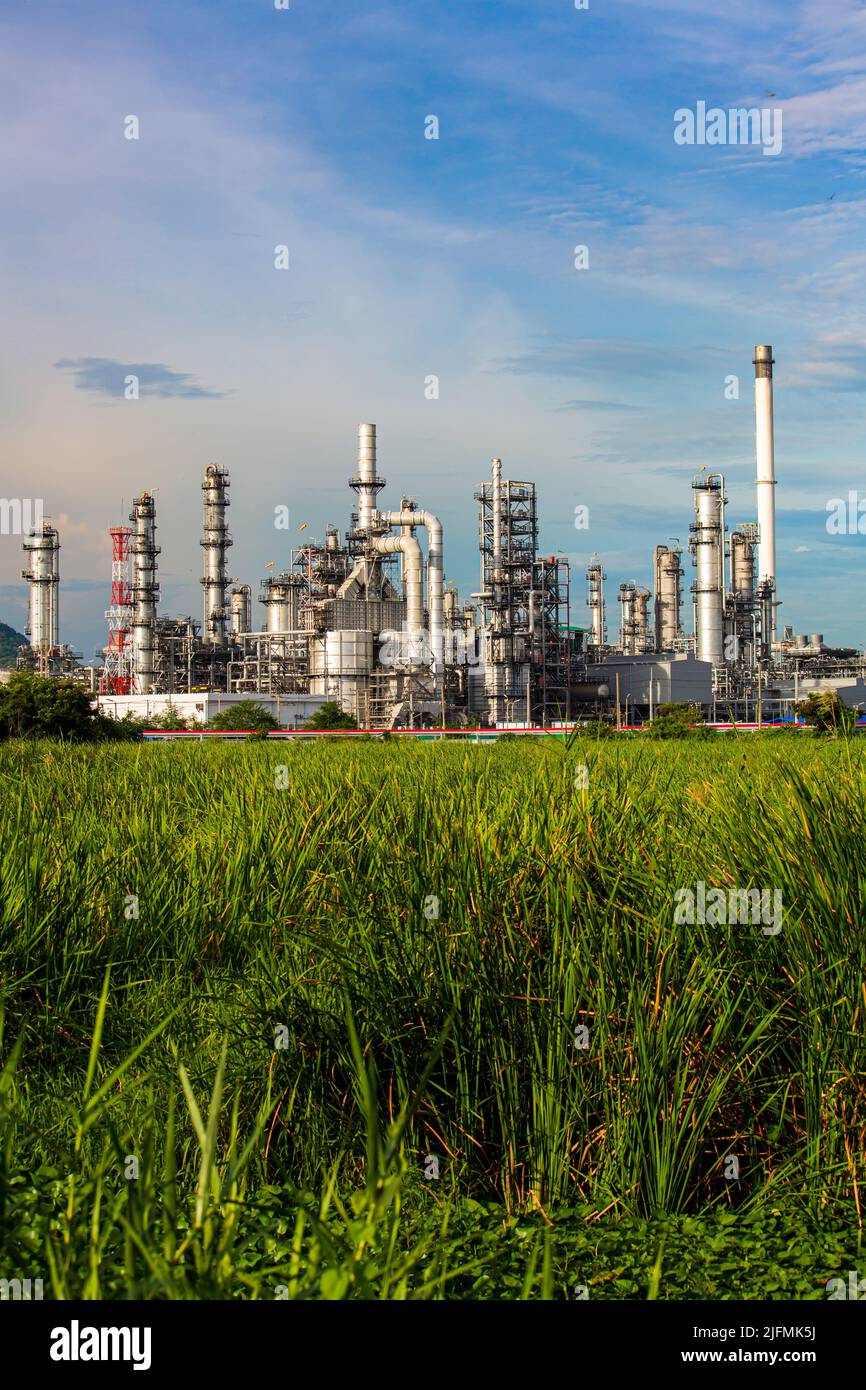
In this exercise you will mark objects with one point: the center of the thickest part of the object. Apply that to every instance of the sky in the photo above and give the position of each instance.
(609, 385)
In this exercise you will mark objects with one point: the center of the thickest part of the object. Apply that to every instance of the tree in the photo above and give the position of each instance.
(826, 713)
(170, 719)
(246, 714)
(329, 716)
(33, 706)
(11, 643)
(105, 729)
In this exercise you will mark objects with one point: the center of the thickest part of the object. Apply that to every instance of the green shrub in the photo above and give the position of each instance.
(246, 714)
(825, 712)
(34, 706)
(678, 721)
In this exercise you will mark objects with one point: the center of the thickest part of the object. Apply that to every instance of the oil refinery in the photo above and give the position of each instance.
(366, 619)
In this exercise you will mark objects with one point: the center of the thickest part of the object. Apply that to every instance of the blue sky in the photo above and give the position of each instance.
(412, 257)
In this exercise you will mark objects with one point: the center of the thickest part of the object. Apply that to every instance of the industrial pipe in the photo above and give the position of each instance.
(435, 578)
(408, 547)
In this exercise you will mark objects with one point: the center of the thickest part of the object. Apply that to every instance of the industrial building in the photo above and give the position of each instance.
(365, 617)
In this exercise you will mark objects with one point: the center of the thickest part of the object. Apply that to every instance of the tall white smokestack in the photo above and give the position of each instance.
(365, 482)
(766, 472)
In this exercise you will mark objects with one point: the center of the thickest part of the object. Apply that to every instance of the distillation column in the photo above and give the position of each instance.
(707, 547)
(595, 577)
(43, 582)
(668, 597)
(627, 593)
(742, 568)
(144, 592)
(215, 542)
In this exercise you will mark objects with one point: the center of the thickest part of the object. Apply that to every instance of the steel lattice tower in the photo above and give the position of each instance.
(117, 673)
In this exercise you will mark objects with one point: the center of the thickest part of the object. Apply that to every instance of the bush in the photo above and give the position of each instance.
(34, 706)
(108, 730)
(246, 714)
(678, 721)
(170, 719)
(596, 728)
(825, 712)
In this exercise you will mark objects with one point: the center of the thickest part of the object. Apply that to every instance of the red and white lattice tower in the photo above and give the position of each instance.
(117, 672)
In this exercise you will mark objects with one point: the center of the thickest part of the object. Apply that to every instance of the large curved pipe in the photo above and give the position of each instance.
(435, 584)
(408, 547)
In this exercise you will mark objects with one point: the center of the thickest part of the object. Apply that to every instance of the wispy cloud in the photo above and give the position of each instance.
(109, 378)
(560, 356)
(597, 405)
(833, 362)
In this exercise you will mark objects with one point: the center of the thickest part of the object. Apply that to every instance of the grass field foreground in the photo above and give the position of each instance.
(420, 1021)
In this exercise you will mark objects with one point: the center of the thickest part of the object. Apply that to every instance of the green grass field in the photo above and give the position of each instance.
(391, 1021)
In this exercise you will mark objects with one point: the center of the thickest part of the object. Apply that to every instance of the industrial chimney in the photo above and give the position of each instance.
(765, 484)
(366, 483)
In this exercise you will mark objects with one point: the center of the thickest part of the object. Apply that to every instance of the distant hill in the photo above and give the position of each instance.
(10, 641)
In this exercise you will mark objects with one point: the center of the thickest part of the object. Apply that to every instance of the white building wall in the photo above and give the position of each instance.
(290, 710)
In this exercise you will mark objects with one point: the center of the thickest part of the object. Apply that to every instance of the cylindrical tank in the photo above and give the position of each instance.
(586, 692)
(43, 579)
(706, 545)
(241, 610)
(340, 662)
(282, 598)
(668, 600)
(801, 642)
(816, 641)
(342, 652)
(742, 566)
